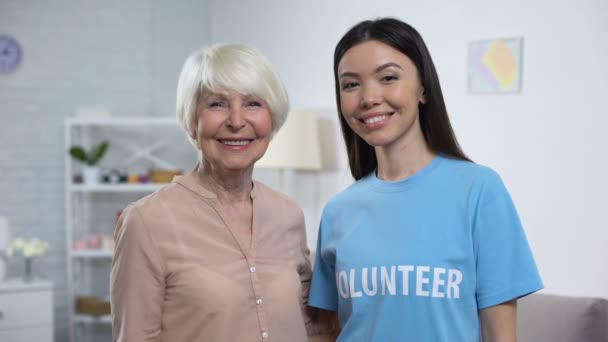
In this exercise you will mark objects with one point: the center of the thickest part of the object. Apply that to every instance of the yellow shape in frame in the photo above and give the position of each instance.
(501, 62)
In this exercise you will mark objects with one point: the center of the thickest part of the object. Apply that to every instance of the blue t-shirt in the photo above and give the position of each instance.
(414, 260)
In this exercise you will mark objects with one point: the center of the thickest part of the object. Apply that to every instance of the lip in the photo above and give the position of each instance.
(378, 124)
(374, 114)
(235, 147)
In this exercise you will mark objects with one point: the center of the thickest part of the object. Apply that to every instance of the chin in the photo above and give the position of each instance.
(237, 166)
(378, 141)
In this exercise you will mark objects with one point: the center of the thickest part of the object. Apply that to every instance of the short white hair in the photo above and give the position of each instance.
(231, 67)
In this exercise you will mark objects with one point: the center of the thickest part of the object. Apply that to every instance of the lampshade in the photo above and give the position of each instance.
(295, 146)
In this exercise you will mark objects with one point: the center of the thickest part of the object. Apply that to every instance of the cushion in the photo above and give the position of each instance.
(551, 318)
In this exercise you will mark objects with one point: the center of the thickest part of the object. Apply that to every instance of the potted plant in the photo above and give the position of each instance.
(29, 249)
(90, 159)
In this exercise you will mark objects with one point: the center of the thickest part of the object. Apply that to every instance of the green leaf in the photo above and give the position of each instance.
(78, 153)
(97, 153)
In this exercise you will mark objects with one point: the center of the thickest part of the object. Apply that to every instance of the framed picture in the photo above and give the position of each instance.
(495, 66)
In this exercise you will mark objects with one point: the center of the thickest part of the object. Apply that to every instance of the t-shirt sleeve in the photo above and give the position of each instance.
(323, 291)
(505, 266)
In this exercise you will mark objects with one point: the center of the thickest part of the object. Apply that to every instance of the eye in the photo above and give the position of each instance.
(389, 78)
(217, 104)
(349, 85)
(254, 103)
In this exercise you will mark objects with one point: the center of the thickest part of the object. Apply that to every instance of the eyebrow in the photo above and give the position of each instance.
(377, 70)
(209, 94)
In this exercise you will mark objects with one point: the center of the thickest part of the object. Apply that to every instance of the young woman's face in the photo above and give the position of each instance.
(232, 130)
(379, 94)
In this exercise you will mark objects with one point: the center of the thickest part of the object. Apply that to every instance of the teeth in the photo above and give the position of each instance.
(375, 119)
(235, 142)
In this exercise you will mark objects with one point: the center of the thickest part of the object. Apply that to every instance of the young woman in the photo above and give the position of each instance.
(425, 245)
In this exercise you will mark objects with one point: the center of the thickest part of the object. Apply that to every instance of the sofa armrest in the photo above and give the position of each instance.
(551, 318)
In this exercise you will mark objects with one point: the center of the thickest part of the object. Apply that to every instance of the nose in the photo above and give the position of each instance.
(236, 119)
(370, 97)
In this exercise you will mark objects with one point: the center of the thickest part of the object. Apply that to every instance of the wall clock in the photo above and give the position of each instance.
(10, 54)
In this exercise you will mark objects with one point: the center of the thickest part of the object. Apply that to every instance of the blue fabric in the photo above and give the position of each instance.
(414, 260)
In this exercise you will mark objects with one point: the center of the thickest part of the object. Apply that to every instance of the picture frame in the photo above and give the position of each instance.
(495, 66)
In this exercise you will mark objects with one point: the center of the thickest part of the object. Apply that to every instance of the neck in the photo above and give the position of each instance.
(229, 185)
(403, 158)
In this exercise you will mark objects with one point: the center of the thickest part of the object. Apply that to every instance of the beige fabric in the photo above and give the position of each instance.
(551, 318)
(179, 274)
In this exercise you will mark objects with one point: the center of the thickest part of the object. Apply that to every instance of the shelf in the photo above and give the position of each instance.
(137, 144)
(124, 122)
(105, 319)
(18, 285)
(147, 187)
(92, 253)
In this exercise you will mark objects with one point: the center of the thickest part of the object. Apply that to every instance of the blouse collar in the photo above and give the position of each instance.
(192, 182)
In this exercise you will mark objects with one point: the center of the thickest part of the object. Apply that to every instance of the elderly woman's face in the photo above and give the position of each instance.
(232, 130)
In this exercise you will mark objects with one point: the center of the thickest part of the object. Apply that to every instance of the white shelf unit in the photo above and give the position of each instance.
(135, 144)
(115, 187)
(92, 254)
(88, 319)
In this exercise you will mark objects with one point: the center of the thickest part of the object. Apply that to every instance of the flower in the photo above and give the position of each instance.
(27, 248)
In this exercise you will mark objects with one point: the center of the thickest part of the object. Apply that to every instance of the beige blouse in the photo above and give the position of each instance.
(180, 274)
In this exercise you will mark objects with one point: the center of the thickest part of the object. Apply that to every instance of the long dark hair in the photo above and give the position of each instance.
(434, 119)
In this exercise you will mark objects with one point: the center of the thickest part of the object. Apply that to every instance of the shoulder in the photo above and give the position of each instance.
(356, 193)
(468, 168)
(481, 185)
(156, 210)
(469, 174)
(170, 195)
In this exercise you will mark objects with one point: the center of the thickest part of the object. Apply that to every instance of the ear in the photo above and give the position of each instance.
(423, 97)
(194, 138)
(196, 144)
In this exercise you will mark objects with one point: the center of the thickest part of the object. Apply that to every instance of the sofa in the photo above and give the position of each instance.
(552, 318)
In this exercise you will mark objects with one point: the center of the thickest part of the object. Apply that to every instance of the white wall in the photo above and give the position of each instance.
(545, 142)
(123, 54)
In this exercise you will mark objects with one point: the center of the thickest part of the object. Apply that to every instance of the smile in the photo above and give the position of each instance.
(242, 142)
(376, 119)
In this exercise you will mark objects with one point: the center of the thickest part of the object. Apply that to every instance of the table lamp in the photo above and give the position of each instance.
(295, 146)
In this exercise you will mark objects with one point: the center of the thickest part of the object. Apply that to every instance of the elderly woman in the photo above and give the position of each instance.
(215, 255)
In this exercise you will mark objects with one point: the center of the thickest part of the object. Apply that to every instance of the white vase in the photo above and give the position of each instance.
(90, 174)
(28, 276)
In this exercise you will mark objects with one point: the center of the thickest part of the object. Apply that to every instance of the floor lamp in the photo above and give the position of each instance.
(295, 146)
